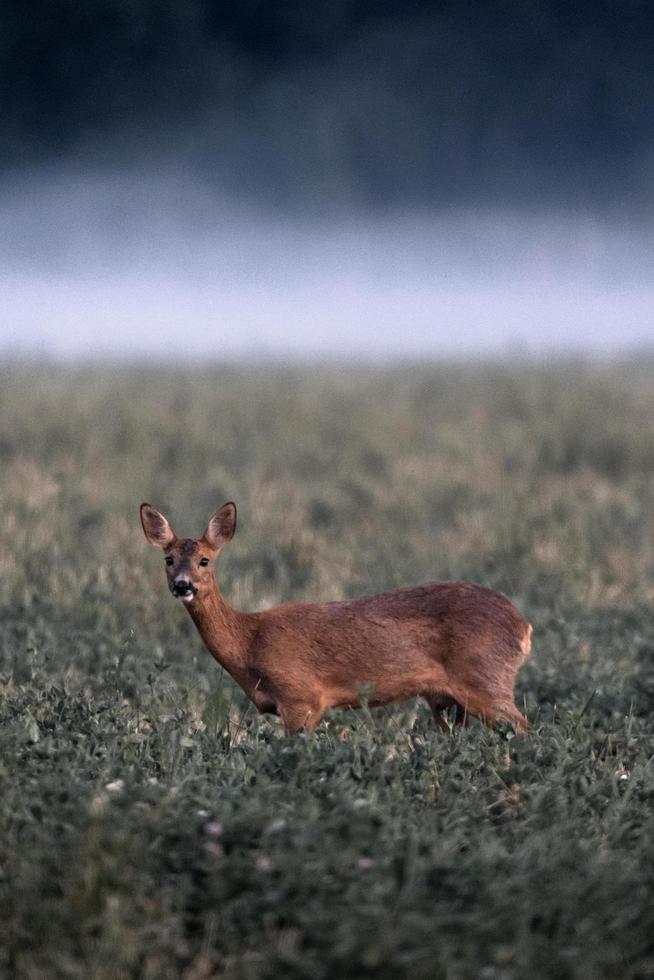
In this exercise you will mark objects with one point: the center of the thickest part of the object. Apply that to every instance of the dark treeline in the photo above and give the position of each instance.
(352, 100)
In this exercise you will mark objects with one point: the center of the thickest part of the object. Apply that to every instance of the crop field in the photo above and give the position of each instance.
(153, 825)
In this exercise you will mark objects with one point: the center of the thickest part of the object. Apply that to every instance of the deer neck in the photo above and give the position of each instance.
(225, 632)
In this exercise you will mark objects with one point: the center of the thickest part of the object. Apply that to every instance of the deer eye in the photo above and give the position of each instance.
(169, 560)
(204, 561)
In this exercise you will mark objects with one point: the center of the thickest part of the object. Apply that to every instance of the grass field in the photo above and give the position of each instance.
(152, 825)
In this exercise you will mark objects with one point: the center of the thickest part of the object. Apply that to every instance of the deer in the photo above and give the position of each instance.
(455, 644)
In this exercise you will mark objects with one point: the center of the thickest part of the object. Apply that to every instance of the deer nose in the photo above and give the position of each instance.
(182, 587)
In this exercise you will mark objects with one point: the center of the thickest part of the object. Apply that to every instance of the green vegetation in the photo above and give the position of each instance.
(153, 826)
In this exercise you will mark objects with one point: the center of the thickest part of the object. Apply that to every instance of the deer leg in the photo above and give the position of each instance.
(490, 710)
(441, 702)
(265, 706)
(300, 716)
(509, 712)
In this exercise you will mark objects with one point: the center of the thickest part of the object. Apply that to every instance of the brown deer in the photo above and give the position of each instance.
(455, 644)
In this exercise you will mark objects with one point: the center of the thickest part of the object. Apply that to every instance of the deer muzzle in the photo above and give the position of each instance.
(183, 589)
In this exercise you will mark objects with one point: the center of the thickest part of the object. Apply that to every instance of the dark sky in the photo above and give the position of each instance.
(373, 104)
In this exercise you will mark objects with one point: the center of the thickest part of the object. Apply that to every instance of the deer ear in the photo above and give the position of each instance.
(155, 526)
(221, 527)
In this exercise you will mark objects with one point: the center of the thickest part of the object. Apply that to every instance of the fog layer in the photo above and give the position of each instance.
(151, 264)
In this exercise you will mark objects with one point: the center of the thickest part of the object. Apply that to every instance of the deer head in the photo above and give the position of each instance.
(189, 561)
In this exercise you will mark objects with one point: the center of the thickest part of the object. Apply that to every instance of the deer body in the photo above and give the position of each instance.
(454, 643)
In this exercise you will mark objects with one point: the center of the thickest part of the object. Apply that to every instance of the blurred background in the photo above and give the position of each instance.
(278, 180)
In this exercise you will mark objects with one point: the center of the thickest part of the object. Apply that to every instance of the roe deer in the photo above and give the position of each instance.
(453, 643)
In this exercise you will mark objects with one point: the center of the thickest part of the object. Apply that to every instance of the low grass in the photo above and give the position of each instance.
(152, 825)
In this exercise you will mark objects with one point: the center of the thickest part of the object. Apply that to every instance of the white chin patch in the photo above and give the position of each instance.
(188, 598)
